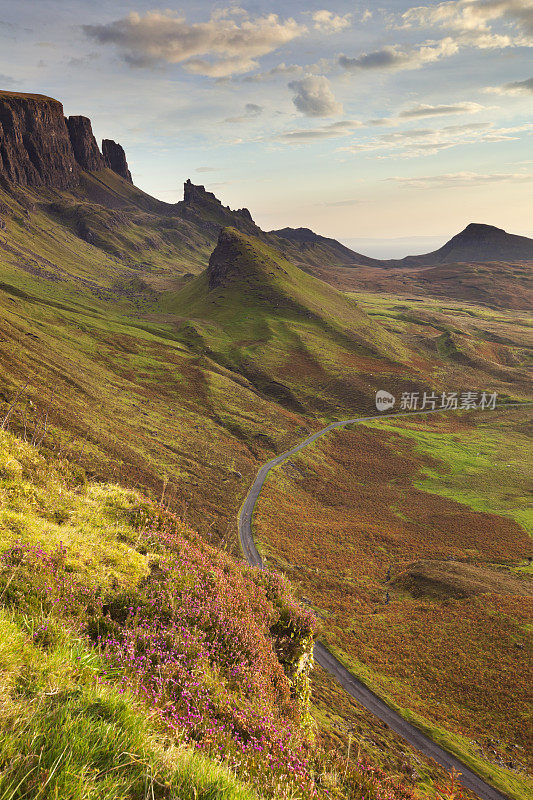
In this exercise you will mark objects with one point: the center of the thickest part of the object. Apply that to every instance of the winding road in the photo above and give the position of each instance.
(354, 687)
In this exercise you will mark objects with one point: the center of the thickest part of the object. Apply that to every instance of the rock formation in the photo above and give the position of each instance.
(86, 150)
(115, 159)
(225, 262)
(39, 147)
(35, 147)
(198, 194)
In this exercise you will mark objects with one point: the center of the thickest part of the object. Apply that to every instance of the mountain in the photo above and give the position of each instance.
(306, 248)
(40, 147)
(295, 338)
(477, 243)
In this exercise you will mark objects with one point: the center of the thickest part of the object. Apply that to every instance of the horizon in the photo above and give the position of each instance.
(362, 124)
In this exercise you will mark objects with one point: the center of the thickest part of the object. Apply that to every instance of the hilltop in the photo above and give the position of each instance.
(476, 243)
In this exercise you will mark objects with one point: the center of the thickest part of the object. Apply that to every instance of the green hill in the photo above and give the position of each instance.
(294, 337)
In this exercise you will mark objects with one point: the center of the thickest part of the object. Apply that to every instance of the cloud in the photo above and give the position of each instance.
(329, 22)
(332, 131)
(423, 110)
(454, 179)
(466, 23)
(220, 47)
(207, 169)
(430, 141)
(280, 69)
(251, 111)
(366, 16)
(515, 87)
(471, 21)
(314, 98)
(470, 15)
(394, 57)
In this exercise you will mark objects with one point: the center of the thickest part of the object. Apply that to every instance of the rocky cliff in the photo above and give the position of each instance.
(39, 147)
(115, 159)
(35, 146)
(86, 150)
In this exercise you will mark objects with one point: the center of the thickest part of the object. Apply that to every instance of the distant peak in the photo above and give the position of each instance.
(476, 228)
(193, 193)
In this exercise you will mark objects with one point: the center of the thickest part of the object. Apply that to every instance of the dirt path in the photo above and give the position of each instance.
(419, 740)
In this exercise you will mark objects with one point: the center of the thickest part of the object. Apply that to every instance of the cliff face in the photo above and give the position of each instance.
(115, 159)
(39, 147)
(86, 150)
(35, 147)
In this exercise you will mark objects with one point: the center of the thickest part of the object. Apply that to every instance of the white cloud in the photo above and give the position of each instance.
(454, 179)
(466, 23)
(395, 57)
(430, 141)
(280, 69)
(423, 110)
(228, 43)
(366, 16)
(332, 131)
(329, 22)
(515, 87)
(314, 98)
(472, 20)
(470, 15)
(251, 111)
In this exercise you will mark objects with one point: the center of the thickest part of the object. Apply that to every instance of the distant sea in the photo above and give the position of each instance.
(396, 248)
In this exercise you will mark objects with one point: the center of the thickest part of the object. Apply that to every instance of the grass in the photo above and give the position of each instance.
(65, 734)
(138, 662)
(338, 515)
(516, 786)
(484, 467)
(171, 619)
(182, 391)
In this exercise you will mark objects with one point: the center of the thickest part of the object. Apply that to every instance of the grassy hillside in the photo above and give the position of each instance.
(130, 361)
(92, 573)
(397, 541)
(298, 339)
(500, 285)
(137, 661)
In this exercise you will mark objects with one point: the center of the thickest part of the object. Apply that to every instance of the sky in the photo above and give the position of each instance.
(389, 123)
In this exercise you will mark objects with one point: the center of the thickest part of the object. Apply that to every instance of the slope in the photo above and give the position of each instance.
(294, 337)
(307, 249)
(477, 243)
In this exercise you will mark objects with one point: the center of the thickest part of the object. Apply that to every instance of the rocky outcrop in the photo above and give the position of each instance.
(86, 150)
(39, 147)
(225, 263)
(115, 159)
(35, 146)
(198, 195)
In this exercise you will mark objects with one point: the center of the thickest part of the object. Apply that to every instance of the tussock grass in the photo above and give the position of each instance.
(65, 735)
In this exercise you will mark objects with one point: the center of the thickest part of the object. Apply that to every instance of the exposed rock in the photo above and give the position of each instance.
(84, 144)
(35, 147)
(245, 213)
(198, 194)
(225, 261)
(115, 159)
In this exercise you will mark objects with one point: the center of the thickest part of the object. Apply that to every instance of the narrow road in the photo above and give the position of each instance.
(419, 740)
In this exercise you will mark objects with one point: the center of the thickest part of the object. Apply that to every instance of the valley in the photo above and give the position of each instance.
(153, 356)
